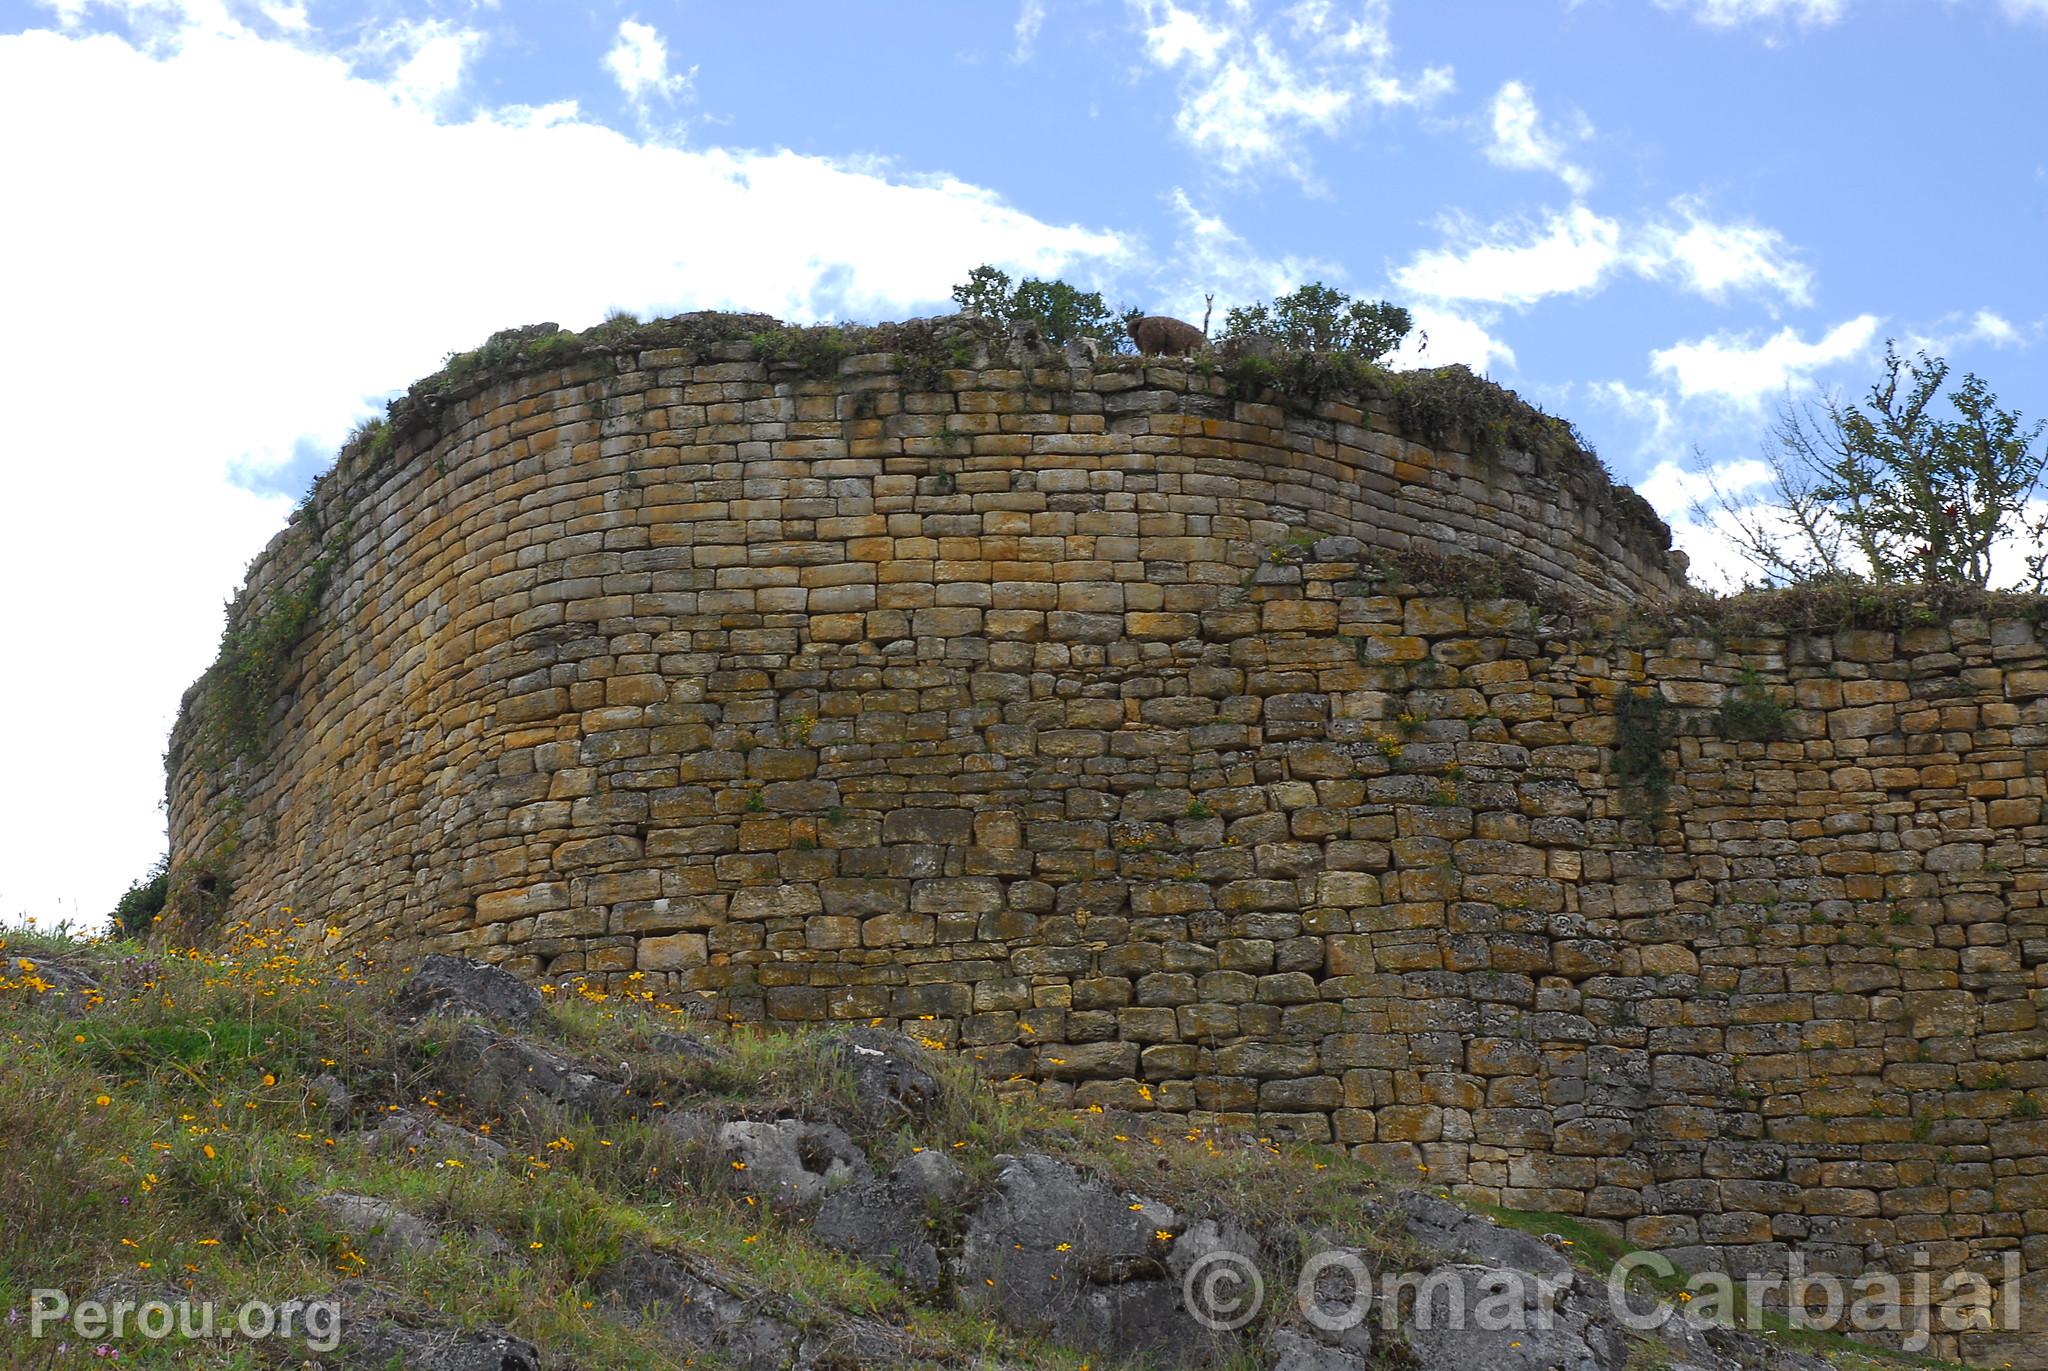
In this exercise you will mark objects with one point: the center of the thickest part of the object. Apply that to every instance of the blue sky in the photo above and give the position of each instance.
(231, 229)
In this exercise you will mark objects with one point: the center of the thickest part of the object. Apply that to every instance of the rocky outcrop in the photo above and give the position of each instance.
(463, 986)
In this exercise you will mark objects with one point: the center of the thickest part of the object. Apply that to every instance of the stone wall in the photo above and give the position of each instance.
(1070, 718)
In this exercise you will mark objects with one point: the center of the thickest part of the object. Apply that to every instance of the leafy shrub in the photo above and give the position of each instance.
(136, 911)
(1061, 312)
(816, 351)
(1748, 712)
(1643, 732)
(1316, 318)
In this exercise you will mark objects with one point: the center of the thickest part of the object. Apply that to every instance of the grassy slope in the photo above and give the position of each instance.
(162, 1133)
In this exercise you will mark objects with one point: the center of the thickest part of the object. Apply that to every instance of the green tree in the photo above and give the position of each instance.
(1320, 318)
(1889, 489)
(135, 913)
(1062, 312)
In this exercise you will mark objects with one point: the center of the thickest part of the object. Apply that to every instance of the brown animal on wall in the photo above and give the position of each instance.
(1157, 335)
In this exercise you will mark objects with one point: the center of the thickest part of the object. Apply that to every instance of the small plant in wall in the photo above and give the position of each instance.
(1643, 732)
(1198, 810)
(756, 804)
(1749, 714)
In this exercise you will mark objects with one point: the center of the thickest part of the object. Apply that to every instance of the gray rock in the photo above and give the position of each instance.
(692, 1128)
(1707, 1346)
(1340, 1313)
(1054, 1253)
(703, 1311)
(1509, 1319)
(887, 1223)
(329, 1100)
(1291, 1351)
(891, 1082)
(696, 1311)
(380, 1330)
(1459, 1236)
(792, 1161)
(383, 1228)
(384, 1344)
(498, 1073)
(463, 986)
(931, 1176)
(71, 988)
(403, 1135)
(689, 1047)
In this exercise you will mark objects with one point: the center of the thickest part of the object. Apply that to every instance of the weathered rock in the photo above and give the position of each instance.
(379, 1331)
(887, 1222)
(703, 1311)
(379, 1345)
(329, 1100)
(1461, 1236)
(689, 1047)
(384, 1230)
(709, 1312)
(891, 1082)
(462, 986)
(1340, 1313)
(498, 1073)
(792, 1161)
(402, 1134)
(54, 981)
(693, 1128)
(1292, 1351)
(1053, 1252)
(696, 1311)
(1513, 1319)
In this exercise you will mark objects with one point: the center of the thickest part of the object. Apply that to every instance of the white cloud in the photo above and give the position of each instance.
(1673, 490)
(1714, 259)
(1568, 253)
(429, 59)
(1735, 368)
(1443, 336)
(1701, 528)
(1521, 142)
(212, 290)
(1645, 407)
(1575, 251)
(1734, 13)
(1772, 14)
(1030, 19)
(1251, 93)
(1995, 329)
(638, 61)
(1209, 256)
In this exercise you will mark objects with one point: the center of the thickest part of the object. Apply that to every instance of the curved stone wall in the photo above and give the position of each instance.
(1070, 716)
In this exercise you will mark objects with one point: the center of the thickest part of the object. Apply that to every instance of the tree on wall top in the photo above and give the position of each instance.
(1319, 318)
(1062, 312)
(1887, 488)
